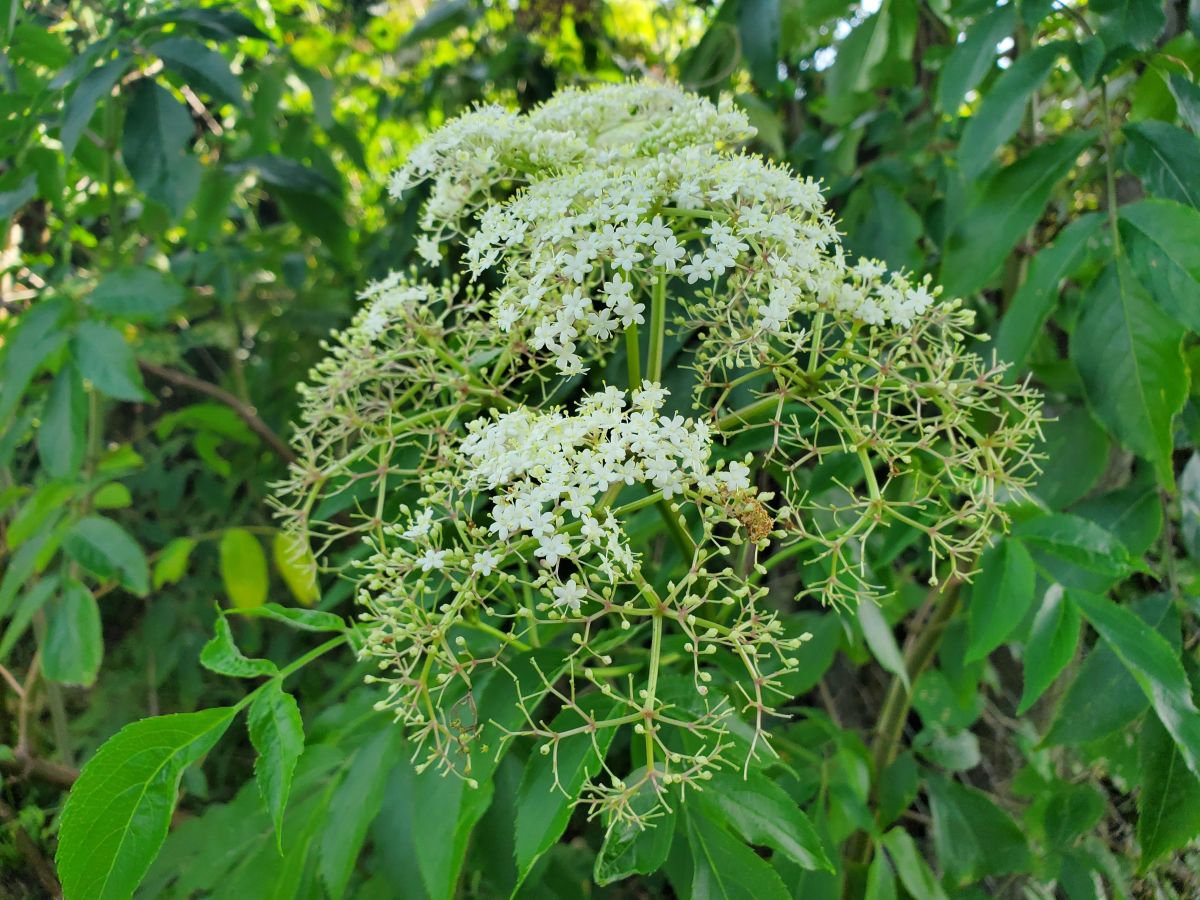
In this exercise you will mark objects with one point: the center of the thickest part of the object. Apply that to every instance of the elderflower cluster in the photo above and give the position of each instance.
(537, 507)
(546, 470)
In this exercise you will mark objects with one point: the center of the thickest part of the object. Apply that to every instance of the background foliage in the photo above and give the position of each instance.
(193, 194)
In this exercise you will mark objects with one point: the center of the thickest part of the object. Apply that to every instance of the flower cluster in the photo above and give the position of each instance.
(546, 470)
(536, 504)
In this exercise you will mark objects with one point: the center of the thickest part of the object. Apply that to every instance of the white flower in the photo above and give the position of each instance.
(432, 559)
(569, 594)
(429, 249)
(485, 563)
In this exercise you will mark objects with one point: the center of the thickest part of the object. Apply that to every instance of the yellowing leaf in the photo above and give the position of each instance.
(243, 568)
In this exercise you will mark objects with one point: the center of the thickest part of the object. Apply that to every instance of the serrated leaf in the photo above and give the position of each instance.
(973, 837)
(107, 550)
(295, 562)
(243, 567)
(1103, 696)
(1004, 208)
(1128, 354)
(629, 849)
(62, 436)
(1156, 668)
(1052, 642)
(202, 67)
(1187, 100)
(105, 359)
(1075, 552)
(973, 56)
(303, 619)
(553, 781)
(221, 655)
(73, 646)
(1163, 240)
(1169, 799)
(172, 562)
(118, 812)
(1000, 597)
(140, 295)
(154, 145)
(36, 336)
(723, 867)
(765, 816)
(82, 103)
(1003, 107)
(1166, 159)
(914, 872)
(354, 806)
(277, 734)
(1038, 295)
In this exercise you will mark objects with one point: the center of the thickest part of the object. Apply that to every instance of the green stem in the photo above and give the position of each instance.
(633, 353)
(658, 329)
(748, 413)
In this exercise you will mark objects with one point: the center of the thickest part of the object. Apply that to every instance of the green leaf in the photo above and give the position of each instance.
(106, 550)
(1133, 513)
(30, 603)
(1136, 22)
(354, 806)
(44, 505)
(1163, 240)
(882, 641)
(553, 781)
(26, 347)
(914, 873)
(630, 849)
(1189, 506)
(881, 880)
(1076, 451)
(62, 436)
(1103, 696)
(295, 562)
(119, 810)
(73, 646)
(97, 85)
(1074, 552)
(106, 360)
(1052, 642)
(140, 295)
(221, 655)
(724, 867)
(1169, 801)
(172, 562)
(243, 568)
(154, 145)
(1000, 597)
(1187, 100)
(113, 495)
(758, 28)
(973, 837)
(1128, 354)
(277, 733)
(1166, 159)
(302, 619)
(1004, 208)
(201, 67)
(11, 201)
(1153, 663)
(1003, 107)
(1037, 297)
(973, 56)
(765, 816)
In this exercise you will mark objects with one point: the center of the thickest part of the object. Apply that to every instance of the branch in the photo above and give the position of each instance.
(246, 412)
(22, 765)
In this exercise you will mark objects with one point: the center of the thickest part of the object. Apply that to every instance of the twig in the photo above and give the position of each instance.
(22, 765)
(245, 412)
